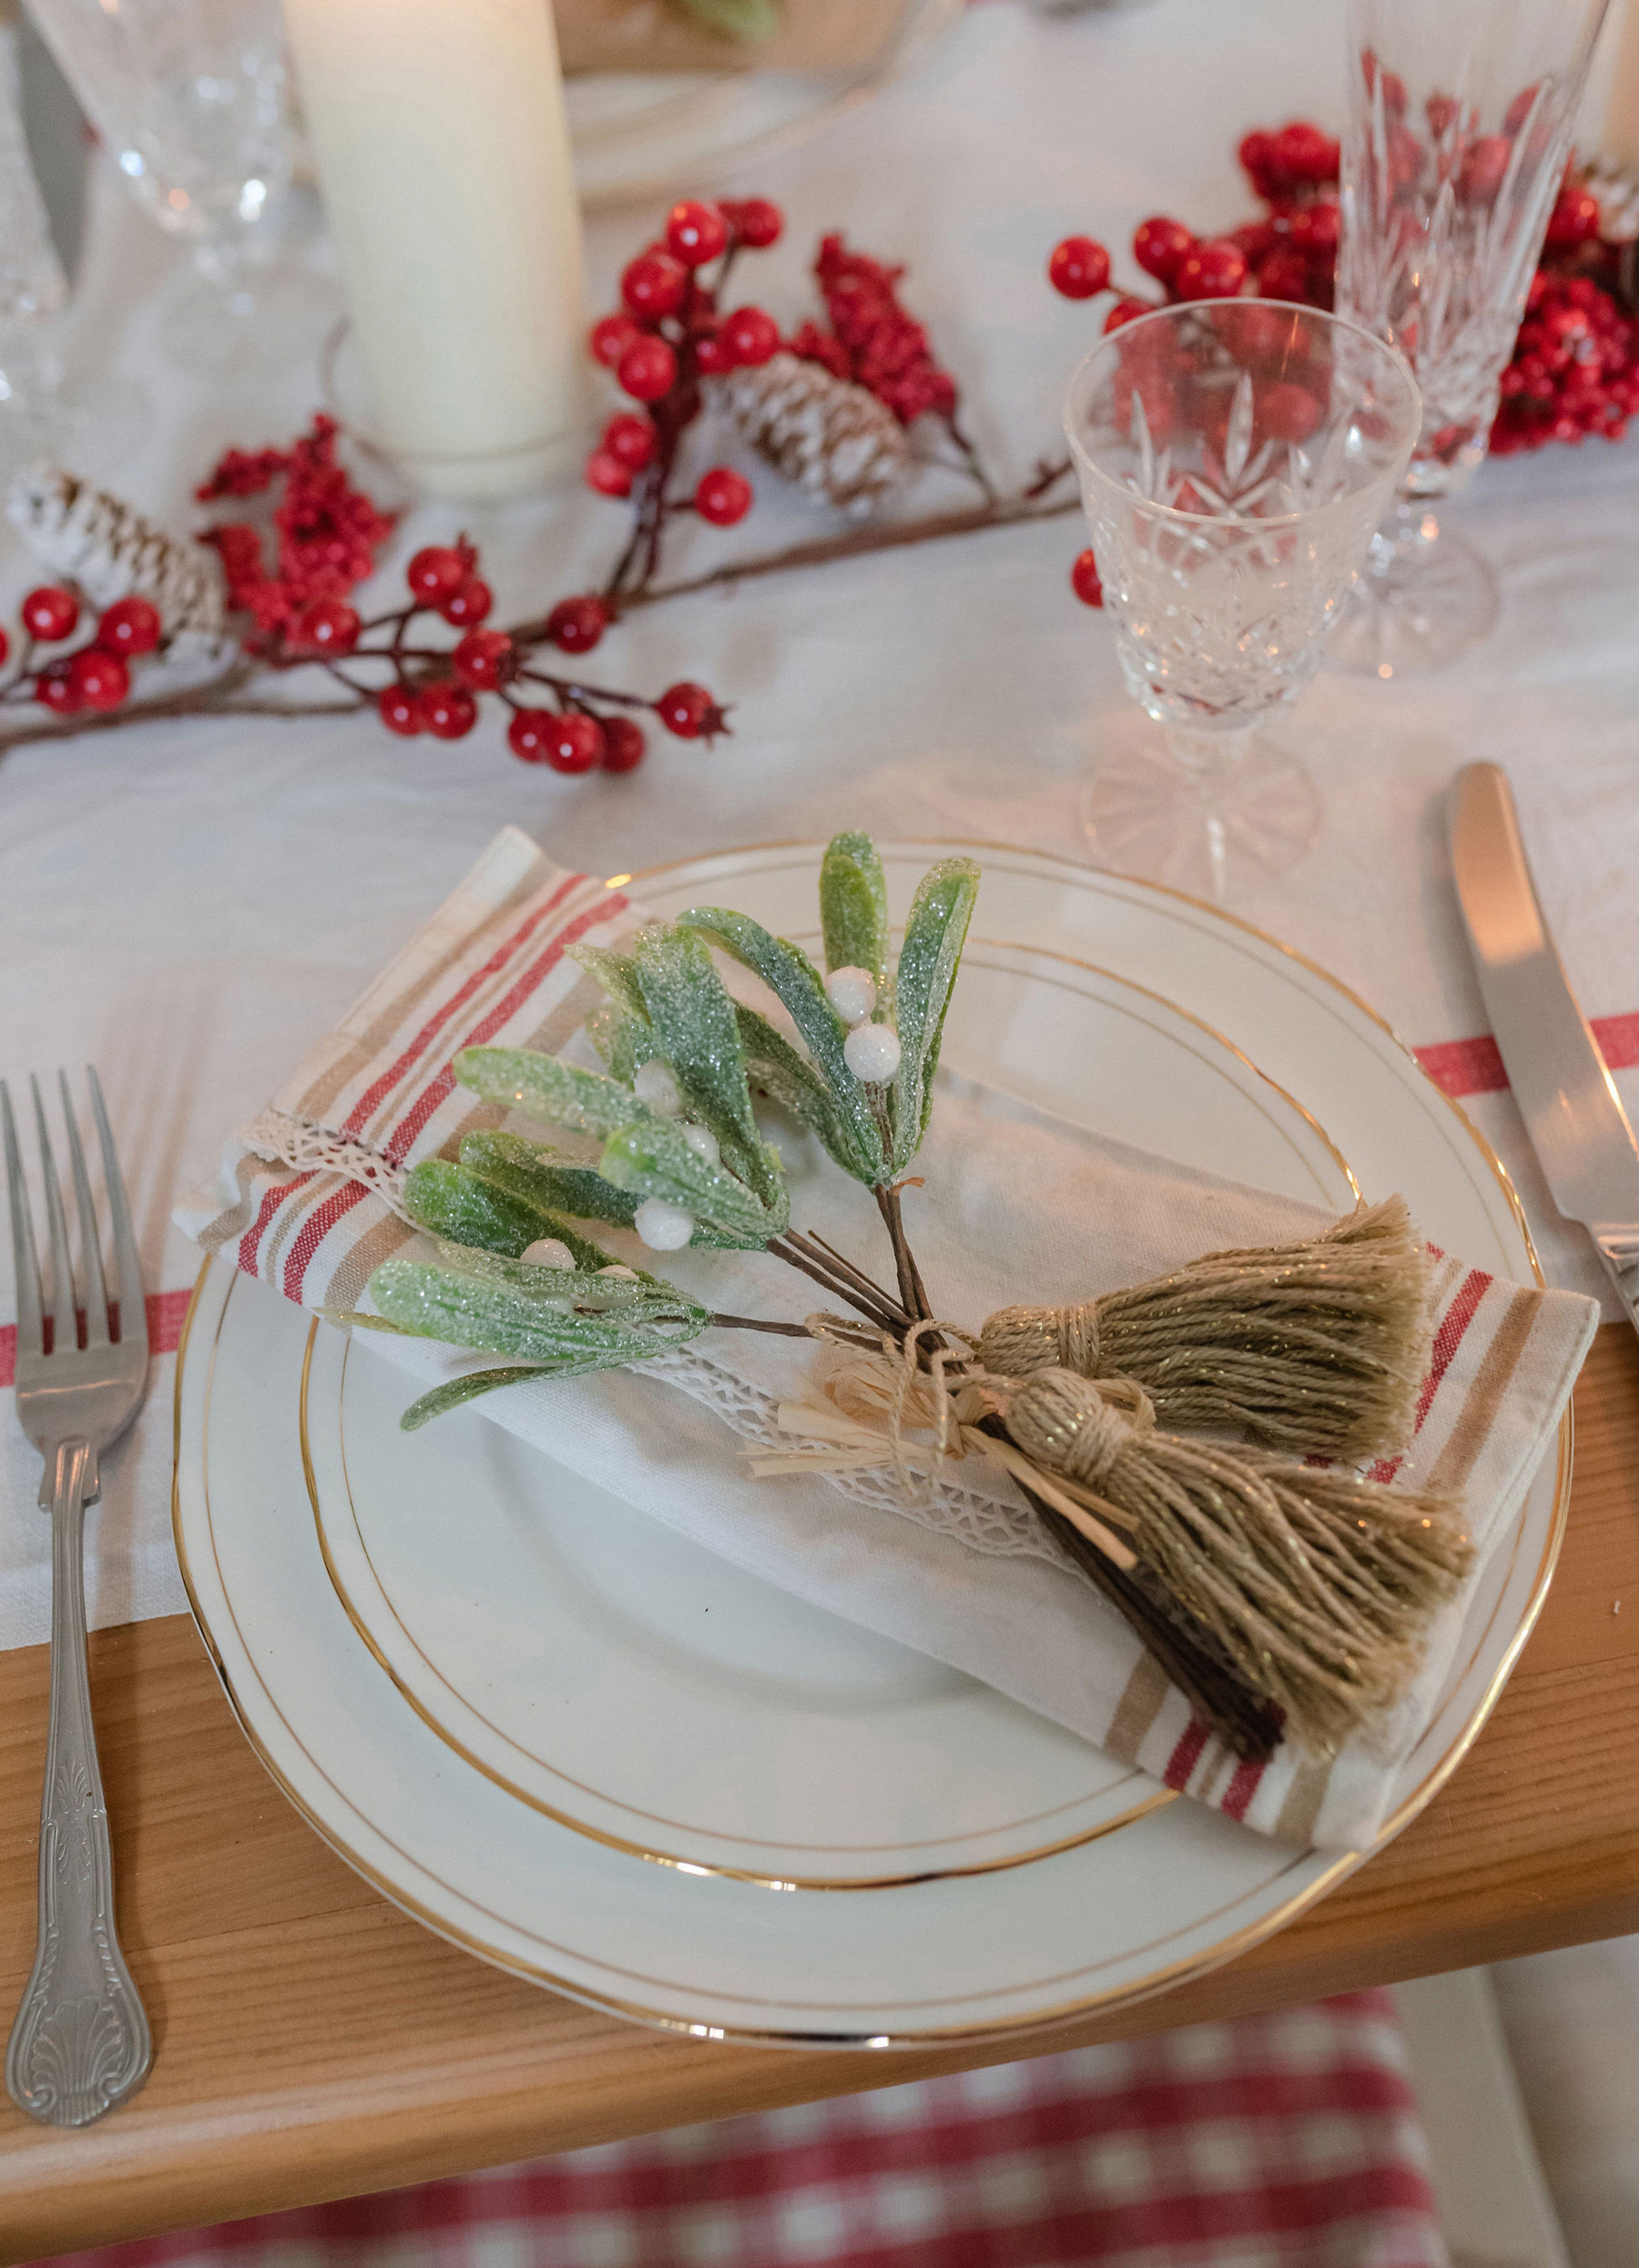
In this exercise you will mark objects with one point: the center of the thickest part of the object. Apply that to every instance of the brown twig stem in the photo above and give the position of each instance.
(856, 544)
(760, 1323)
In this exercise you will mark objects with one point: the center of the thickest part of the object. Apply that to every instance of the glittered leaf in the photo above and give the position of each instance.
(787, 970)
(615, 971)
(775, 1069)
(654, 1160)
(544, 1179)
(574, 1322)
(853, 906)
(471, 1208)
(697, 1030)
(928, 961)
(520, 1079)
(533, 1174)
(454, 1392)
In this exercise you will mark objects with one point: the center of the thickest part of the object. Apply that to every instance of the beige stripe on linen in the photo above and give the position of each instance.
(370, 1042)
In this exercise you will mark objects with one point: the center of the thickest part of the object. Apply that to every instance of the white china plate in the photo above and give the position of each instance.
(638, 134)
(632, 1683)
(1174, 1891)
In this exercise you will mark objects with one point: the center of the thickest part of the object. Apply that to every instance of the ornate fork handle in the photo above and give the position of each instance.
(80, 2045)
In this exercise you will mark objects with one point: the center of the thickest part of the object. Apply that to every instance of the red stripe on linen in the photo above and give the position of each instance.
(1453, 1324)
(166, 1310)
(1243, 1786)
(1186, 1754)
(399, 1141)
(1460, 1067)
(314, 1230)
(380, 1088)
(249, 1243)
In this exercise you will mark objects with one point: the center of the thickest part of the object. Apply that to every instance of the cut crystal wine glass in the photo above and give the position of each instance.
(189, 98)
(1460, 114)
(1235, 457)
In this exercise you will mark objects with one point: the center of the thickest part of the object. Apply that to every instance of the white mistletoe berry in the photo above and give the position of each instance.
(547, 1251)
(702, 1141)
(654, 1085)
(618, 1267)
(871, 1052)
(663, 1226)
(852, 993)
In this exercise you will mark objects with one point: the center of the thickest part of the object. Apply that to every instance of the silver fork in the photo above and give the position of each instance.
(80, 2045)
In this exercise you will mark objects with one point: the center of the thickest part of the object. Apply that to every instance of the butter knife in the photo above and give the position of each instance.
(1561, 1082)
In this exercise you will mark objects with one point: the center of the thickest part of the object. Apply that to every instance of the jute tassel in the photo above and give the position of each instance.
(1317, 1586)
(1317, 1348)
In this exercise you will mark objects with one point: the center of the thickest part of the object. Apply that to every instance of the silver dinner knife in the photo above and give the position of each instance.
(1562, 1083)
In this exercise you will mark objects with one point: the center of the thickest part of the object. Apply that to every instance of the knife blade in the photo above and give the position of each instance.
(1561, 1080)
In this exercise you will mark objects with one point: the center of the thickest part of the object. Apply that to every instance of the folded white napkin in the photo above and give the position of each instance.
(1016, 1205)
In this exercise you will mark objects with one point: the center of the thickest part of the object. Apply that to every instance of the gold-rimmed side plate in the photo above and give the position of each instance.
(967, 1958)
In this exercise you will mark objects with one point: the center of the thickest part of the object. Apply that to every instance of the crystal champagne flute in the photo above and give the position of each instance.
(1235, 456)
(1460, 114)
(190, 98)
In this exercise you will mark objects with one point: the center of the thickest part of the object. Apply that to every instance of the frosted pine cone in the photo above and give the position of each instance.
(835, 440)
(100, 543)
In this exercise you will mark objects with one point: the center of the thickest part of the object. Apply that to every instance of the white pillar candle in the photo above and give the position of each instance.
(439, 133)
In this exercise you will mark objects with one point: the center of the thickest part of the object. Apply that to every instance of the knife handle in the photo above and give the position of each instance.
(1619, 1249)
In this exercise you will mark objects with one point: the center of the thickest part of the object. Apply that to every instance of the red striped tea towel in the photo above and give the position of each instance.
(307, 1203)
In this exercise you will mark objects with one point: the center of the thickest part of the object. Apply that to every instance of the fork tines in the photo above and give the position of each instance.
(51, 1315)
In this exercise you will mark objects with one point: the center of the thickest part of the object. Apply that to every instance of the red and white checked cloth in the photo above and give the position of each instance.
(306, 1203)
(1289, 2141)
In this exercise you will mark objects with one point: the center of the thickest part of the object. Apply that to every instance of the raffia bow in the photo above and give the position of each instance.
(1317, 1585)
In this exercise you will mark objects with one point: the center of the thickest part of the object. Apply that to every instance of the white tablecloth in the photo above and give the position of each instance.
(189, 905)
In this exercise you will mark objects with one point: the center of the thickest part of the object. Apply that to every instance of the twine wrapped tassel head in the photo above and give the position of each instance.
(1317, 1586)
(1317, 1347)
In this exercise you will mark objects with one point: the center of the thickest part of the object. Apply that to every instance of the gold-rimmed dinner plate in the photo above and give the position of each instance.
(972, 1953)
(631, 1684)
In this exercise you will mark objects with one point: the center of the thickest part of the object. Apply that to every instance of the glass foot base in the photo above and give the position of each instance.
(1220, 831)
(1413, 607)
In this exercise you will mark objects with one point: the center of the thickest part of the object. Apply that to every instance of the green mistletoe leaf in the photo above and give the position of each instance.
(929, 960)
(853, 906)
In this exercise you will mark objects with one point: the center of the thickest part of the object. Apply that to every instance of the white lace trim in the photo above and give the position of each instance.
(284, 1139)
(992, 1524)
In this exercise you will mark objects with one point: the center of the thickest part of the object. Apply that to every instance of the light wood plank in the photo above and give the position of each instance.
(322, 2045)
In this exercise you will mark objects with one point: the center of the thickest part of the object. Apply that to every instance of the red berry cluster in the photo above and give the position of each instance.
(437, 689)
(95, 675)
(669, 333)
(1576, 367)
(873, 340)
(326, 531)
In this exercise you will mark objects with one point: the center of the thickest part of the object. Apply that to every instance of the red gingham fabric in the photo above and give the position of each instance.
(1289, 2141)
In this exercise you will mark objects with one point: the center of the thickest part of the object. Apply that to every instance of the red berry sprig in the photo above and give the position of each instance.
(95, 674)
(669, 334)
(438, 690)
